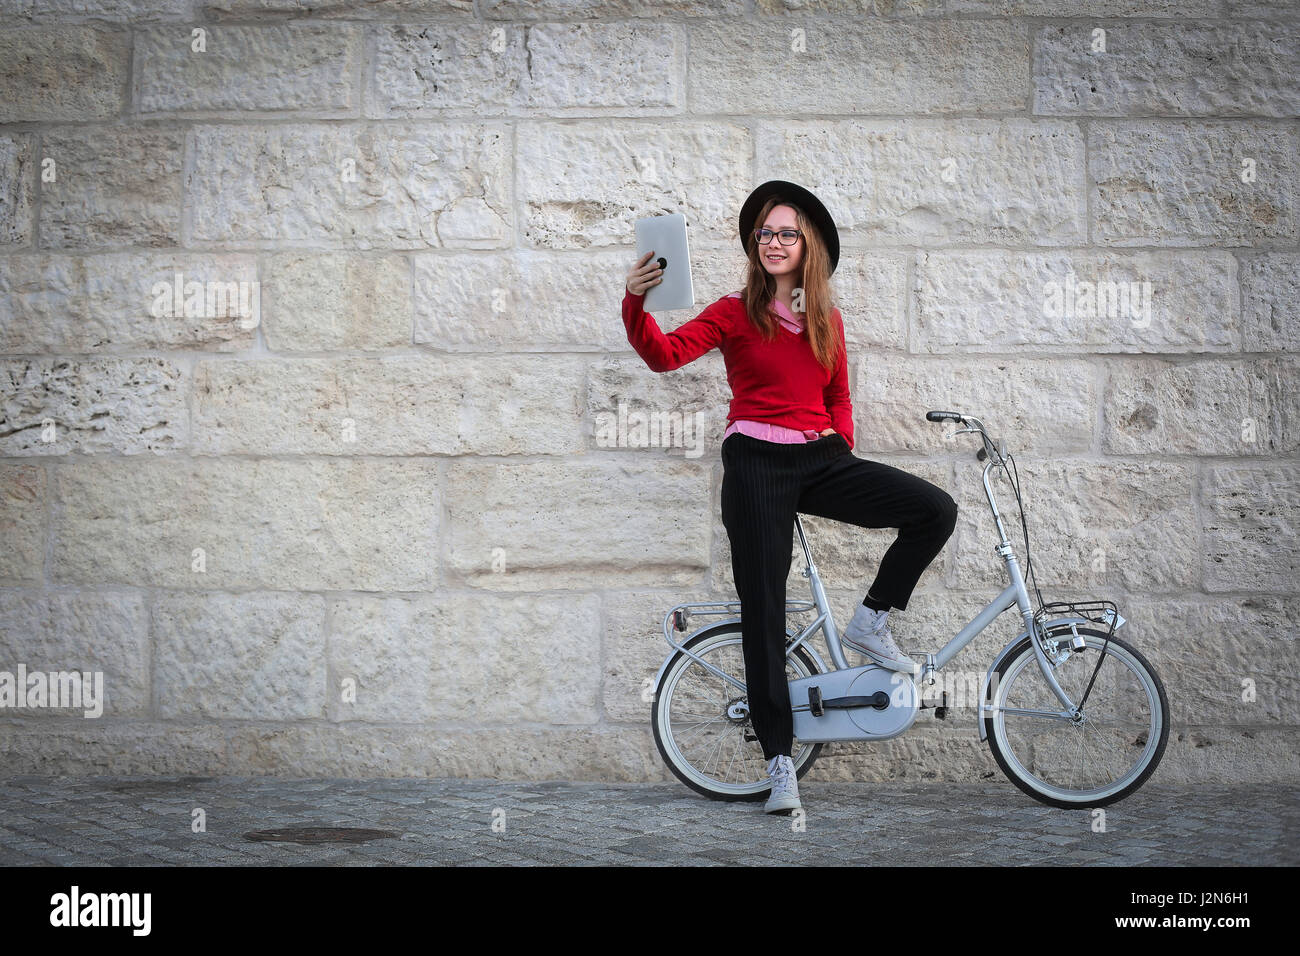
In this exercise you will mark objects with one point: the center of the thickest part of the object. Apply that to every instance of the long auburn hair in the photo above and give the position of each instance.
(760, 288)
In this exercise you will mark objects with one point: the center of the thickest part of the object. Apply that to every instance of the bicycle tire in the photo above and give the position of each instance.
(719, 635)
(1047, 793)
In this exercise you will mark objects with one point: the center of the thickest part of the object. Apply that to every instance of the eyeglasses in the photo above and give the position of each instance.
(788, 236)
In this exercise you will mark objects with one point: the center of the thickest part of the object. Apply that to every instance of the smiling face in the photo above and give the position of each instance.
(776, 258)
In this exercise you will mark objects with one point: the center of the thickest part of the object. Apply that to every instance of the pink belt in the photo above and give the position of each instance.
(769, 432)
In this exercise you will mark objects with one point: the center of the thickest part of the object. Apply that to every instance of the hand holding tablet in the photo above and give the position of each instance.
(643, 275)
(663, 269)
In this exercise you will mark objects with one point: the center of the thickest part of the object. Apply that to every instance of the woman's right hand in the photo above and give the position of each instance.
(643, 275)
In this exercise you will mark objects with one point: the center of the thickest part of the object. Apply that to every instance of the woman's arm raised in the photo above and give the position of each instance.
(665, 352)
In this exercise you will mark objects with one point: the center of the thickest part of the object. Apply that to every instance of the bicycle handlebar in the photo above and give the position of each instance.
(990, 447)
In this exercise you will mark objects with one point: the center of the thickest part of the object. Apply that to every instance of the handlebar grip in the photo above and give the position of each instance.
(935, 416)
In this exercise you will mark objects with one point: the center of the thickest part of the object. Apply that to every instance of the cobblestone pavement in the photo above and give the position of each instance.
(147, 821)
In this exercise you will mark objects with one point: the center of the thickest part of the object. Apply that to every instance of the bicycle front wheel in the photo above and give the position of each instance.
(701, 721)
(1096, 759)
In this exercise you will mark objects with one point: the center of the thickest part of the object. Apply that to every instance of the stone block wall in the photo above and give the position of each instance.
(310, 335)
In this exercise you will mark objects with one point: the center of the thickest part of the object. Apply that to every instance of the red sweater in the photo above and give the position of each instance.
(780, 382)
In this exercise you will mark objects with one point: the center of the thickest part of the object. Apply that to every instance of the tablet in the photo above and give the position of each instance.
(666, 235)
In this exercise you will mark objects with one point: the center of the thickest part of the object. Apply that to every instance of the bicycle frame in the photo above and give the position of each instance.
(1014, 594)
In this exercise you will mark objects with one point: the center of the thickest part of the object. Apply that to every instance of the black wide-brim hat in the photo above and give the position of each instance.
(792, 193)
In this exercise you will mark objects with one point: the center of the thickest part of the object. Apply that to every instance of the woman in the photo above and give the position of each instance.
(787, 448)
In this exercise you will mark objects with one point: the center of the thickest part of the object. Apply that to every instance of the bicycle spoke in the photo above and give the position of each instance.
(740, 740)
(1109, 747)
(711, 758)
(696, 729)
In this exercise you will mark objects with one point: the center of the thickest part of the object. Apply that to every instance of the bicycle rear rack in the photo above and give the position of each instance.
(678, 619)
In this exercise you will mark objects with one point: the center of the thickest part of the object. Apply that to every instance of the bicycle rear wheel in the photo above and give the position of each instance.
(701, 721)
(1087, 762)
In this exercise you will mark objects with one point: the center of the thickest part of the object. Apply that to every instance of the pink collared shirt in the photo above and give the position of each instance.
(794, 321)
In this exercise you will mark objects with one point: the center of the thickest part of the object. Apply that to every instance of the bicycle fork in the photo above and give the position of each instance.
(1036, 640)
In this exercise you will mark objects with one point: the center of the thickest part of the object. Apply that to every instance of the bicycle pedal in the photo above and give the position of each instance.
(941, 712)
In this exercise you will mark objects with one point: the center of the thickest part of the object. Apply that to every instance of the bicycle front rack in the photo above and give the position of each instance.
(1103, 613)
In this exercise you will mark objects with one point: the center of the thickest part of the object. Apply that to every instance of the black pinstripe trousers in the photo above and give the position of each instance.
(764, 485)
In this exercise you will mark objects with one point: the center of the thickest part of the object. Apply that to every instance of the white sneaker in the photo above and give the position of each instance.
(785, 786)
(875, 640)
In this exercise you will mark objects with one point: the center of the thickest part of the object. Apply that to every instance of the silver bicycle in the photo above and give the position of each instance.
(1075, 716)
